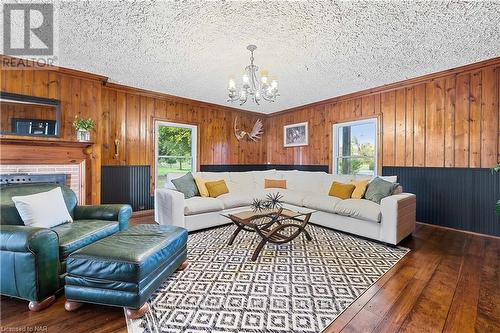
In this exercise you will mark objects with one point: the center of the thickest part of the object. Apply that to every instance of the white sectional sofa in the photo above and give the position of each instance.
(389, 222)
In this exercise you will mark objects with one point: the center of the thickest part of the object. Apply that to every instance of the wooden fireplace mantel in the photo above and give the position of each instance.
(40, 141)
(34, 150)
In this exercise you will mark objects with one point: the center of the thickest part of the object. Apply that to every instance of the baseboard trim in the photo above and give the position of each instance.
(458, 230)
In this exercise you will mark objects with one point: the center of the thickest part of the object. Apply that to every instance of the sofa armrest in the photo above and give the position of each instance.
(29, 258)
(116, 212)
(398, 217)
(169, 207)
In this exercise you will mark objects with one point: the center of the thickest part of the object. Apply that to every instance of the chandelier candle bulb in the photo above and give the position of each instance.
(264, 76)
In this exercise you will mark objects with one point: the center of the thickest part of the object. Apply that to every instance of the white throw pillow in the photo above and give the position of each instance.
(43, 210)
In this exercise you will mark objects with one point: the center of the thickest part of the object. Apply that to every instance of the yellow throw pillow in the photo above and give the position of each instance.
(341, 191)
(275, 183)
(216, 188)
(202, 187)
(360, 189)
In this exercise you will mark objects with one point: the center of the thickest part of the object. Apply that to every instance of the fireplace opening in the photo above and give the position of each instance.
(55, 178)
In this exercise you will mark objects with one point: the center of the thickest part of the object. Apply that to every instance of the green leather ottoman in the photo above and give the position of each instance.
(125, 268)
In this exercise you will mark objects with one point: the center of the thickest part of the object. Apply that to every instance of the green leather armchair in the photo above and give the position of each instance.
(33, 260)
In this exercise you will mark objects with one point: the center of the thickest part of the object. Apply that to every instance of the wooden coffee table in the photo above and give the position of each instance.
(275, 226)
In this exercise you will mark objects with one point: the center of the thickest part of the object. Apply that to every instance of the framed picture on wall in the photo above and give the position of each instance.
(296, 135)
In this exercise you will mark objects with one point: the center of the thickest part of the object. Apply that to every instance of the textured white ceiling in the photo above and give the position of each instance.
(316, 49)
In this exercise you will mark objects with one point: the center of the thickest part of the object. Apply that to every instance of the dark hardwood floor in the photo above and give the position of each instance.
(449, 282)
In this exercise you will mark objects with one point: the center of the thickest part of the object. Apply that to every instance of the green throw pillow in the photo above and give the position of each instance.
(187, 185)
(379, 189)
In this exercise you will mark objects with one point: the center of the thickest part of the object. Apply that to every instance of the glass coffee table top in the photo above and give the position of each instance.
(277, 226)
(247, 212)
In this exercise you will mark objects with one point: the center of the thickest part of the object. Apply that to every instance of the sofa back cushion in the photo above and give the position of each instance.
(242, 182)
(330, 178)
(211, 176)
(305, 181)
(261, 176)
(8, 210)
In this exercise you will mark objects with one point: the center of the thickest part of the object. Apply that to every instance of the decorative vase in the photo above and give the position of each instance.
(83, 136)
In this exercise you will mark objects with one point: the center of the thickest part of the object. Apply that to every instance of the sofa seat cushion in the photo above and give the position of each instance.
(325, 203)
(360, 209)
(232, 200)
(80, 233)
(130, 255)
(198, 205)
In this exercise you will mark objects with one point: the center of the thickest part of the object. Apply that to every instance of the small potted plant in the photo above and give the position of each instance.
(83, 127)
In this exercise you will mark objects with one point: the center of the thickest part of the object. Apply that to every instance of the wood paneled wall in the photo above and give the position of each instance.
(79, 93)
(128, 116)
(447, 119)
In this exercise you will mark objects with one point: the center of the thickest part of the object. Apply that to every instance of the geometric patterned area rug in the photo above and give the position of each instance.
(301, 286)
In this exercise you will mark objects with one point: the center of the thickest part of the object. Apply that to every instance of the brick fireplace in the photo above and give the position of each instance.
(74, 174)
(79, 161)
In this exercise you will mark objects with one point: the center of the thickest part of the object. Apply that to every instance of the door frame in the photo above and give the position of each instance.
(157, 122)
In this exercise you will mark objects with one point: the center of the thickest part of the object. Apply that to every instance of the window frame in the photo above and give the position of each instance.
(194, 143)
(335, 152)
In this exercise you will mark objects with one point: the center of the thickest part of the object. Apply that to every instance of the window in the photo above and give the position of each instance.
(355, 148)
(175, 149)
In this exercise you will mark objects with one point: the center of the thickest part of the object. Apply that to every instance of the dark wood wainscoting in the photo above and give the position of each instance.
(459, 198)
(127, 185)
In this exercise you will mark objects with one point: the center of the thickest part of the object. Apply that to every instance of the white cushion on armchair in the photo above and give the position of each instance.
(43, 210)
